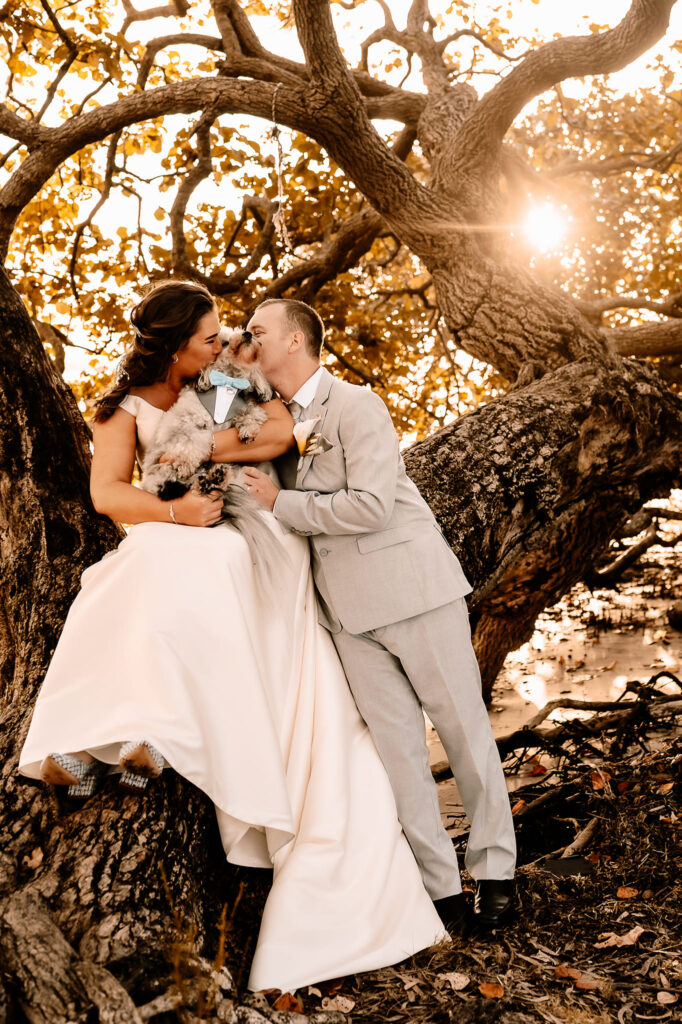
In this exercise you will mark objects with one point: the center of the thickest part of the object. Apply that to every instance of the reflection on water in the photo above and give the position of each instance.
(587, 647)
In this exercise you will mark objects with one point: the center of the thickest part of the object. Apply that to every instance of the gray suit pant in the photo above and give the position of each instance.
(428, 661)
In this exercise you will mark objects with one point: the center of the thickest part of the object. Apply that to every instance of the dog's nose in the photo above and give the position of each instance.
(248, 336)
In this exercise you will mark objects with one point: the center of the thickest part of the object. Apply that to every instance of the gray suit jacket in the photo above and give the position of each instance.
(378, 554)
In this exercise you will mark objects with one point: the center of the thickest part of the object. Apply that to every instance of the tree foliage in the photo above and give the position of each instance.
(197, 195)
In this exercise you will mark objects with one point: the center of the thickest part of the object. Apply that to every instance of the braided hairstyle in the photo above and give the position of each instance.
(163, 322)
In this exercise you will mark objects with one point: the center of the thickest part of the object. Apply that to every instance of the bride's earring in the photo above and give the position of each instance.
(175, 359)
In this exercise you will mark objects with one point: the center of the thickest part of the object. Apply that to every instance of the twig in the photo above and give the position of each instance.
(582, 839)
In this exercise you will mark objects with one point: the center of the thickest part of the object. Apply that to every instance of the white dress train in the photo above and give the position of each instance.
(169, 640)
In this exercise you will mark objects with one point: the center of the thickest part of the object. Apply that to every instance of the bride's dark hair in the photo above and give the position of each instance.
(163, 321)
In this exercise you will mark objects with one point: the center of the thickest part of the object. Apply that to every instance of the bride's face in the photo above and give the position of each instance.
(202, 348)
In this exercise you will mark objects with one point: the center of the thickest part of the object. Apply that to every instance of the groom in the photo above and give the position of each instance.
(391, 592)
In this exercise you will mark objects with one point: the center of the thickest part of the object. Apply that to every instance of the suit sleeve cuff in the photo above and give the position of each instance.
(288, 508)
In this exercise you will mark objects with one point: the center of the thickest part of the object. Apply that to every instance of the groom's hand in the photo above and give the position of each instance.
(260, 486)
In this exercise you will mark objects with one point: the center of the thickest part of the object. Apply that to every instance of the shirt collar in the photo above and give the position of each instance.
(306, 393)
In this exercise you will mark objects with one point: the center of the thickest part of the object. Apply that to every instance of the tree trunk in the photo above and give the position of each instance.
(127, 882)
(530, 487)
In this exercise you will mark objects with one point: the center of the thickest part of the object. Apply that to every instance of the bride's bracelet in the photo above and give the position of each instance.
(172, 513)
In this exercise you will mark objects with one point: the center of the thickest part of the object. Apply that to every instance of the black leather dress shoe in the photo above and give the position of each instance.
(454, 913)
(494, 903)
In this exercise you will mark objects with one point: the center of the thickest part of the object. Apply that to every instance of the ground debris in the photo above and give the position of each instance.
(552, 965)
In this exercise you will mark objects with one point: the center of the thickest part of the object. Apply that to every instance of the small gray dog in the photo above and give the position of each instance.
(227, 393)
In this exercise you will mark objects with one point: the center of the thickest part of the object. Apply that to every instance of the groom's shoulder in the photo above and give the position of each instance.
(345, 393)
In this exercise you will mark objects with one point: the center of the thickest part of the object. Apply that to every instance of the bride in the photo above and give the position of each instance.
(169, 655)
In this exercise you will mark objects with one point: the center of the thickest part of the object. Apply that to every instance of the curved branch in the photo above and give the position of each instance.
(154, 46)
(615, 165)
(297, 107)
(671, 306)
(104, 195)
(571, 57)
(219, 284)
(336, 255)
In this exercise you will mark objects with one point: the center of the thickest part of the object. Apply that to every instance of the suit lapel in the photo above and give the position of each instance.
(319, 408)
(207, 399)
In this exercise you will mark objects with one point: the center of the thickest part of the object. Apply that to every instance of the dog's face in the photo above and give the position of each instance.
(239, 346)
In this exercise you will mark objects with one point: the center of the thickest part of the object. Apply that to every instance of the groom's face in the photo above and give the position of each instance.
(273, 334)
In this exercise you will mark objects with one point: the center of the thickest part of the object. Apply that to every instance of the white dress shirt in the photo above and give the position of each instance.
(306, 393)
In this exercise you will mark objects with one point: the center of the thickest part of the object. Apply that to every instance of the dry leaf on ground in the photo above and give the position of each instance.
(491, 991)
(454, 978)
(562, 971)
(666, 998)
(588, 983)
(626, 892)
(611, 939)
(341, 1003)
(288, 1002)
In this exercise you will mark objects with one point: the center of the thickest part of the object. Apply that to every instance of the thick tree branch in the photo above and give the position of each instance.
(176, 8)
(657, 339)
(29, 133)
(481, 136)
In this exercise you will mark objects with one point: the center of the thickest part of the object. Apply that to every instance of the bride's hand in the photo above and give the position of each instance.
(194, 509)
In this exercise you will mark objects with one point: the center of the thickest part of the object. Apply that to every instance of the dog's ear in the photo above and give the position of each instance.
(260, 385)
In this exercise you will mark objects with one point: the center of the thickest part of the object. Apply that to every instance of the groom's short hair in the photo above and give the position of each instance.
(302, 317)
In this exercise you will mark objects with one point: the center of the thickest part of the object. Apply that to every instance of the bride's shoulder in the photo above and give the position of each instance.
(130, 403)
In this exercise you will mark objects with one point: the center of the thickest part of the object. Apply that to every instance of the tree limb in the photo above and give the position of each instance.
(652, 339)
(670, 306)
(481, 135)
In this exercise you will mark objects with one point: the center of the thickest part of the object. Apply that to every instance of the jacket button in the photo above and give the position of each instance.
(324, 551)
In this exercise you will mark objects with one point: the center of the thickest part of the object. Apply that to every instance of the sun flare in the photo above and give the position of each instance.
(544, 227)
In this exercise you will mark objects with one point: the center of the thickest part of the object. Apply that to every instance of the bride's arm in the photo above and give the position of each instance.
(274, 438)
(113, 494)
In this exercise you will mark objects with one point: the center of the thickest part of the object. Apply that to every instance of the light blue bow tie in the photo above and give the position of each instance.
(219, 379)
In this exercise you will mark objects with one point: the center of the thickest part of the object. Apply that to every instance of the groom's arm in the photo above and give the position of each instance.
(371, 452)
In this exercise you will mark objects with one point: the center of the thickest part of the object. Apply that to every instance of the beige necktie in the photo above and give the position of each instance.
(295, 409)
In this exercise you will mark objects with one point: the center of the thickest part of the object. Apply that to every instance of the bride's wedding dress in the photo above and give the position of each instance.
(169, 641)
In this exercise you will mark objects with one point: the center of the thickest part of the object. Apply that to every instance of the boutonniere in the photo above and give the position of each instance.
(308, 441)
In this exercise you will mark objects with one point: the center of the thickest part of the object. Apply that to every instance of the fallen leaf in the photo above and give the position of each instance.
(665, 787)
(288, 1002)
(341, 1003)
(667, 998)
(624, 785)
(491, 991)
(599, 778)
(611, 939)
(454, 979)
(625, 892)
(562, 971)
(588, 983)
(538, 769)
(519, 806)
(609, 668)
(312, 991)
